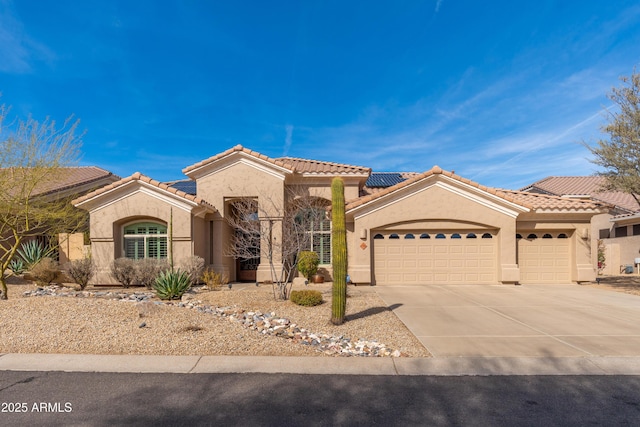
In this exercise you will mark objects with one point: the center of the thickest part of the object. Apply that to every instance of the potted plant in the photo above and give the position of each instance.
(308, 262)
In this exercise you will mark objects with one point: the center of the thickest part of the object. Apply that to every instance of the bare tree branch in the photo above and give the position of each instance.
(278, 233)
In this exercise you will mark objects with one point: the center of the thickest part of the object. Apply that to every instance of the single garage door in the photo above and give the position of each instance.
(544, 257)
(427, 257)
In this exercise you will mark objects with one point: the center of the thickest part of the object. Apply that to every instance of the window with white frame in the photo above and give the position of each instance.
(145, 240)
(318, 227)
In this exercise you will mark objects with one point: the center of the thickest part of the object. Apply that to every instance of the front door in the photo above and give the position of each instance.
(246, 268)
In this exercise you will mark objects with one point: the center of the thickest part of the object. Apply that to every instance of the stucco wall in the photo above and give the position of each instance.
(620, 252)
(107, 222)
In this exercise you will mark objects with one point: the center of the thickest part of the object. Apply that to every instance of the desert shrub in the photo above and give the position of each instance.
(171, 284)
(32, 252)
(307, 298)
(17, 266)
(45, 271)
(124, 271)
(308, 262)
(212, 280)
(81, 271)
(193, 266)
(148, 269)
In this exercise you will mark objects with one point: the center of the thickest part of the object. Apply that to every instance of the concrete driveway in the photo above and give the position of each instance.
(518, 321)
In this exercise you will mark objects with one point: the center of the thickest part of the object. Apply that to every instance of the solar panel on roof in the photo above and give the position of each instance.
(188, 187)
(384, 179)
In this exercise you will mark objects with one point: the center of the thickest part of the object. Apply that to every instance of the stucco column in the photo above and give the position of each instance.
(221, 235)
(585, 271)
(509, 271)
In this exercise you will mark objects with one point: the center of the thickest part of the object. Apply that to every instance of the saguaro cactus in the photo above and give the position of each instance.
(338, 252)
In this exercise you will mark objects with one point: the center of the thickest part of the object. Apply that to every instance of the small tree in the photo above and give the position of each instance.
(276, 232)
(619, 154)
(33, 156)
(338, 252)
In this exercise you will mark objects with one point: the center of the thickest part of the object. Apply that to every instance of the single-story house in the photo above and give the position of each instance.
(417, 228)
(615, 233)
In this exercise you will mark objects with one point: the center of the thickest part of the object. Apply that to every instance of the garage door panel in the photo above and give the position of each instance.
(545, 260)
(424, 261)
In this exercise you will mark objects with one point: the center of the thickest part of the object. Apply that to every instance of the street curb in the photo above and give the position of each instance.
(432, 366)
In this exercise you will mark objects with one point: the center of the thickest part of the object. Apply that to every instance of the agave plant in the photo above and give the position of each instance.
(172, 284)
(17, 266)
(32, 252)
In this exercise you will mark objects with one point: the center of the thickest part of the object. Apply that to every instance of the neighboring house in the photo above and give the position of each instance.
(71, 182)
(618, 230)
(431, 227)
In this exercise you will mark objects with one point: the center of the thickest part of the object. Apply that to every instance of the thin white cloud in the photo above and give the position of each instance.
(288, 139)
(17, 49)
(438, 4)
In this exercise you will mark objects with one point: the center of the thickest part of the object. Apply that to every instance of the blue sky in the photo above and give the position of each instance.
(502, 92)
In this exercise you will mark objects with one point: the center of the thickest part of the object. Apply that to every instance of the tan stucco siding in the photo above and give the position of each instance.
(243, 180)
(107, 224)
(238, 180)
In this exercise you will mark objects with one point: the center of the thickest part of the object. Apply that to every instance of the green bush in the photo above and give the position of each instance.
(81, 271)
(172, 284)
(308, 262)
(307, 298)
(45, 271)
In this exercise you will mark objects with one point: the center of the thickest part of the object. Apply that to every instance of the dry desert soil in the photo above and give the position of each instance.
(88, 325)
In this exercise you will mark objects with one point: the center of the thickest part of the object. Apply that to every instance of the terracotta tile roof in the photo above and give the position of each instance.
(237, 148)
(525, 199)
(584, 185)
(69, 178)
(537, 201)
(304, 166)
(322, 168)
(139, 177)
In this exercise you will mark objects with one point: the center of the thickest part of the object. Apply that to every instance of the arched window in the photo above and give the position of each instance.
(456, 236)
(440, 236)
(145, 240)
(425, 236)
(518, 236)
(378, 236)
(532, 236)
(547, 236)
(562, 236)
(409, 236)
(471, 236)
(487, 236)
(394, 236)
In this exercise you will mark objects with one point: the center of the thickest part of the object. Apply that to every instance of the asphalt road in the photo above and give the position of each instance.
(107, 399)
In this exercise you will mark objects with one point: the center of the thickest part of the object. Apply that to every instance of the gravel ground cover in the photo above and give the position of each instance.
(629, 284)
(47, 324)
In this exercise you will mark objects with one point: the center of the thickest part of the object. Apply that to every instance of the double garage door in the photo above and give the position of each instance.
(426, 257)
(467, 257)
